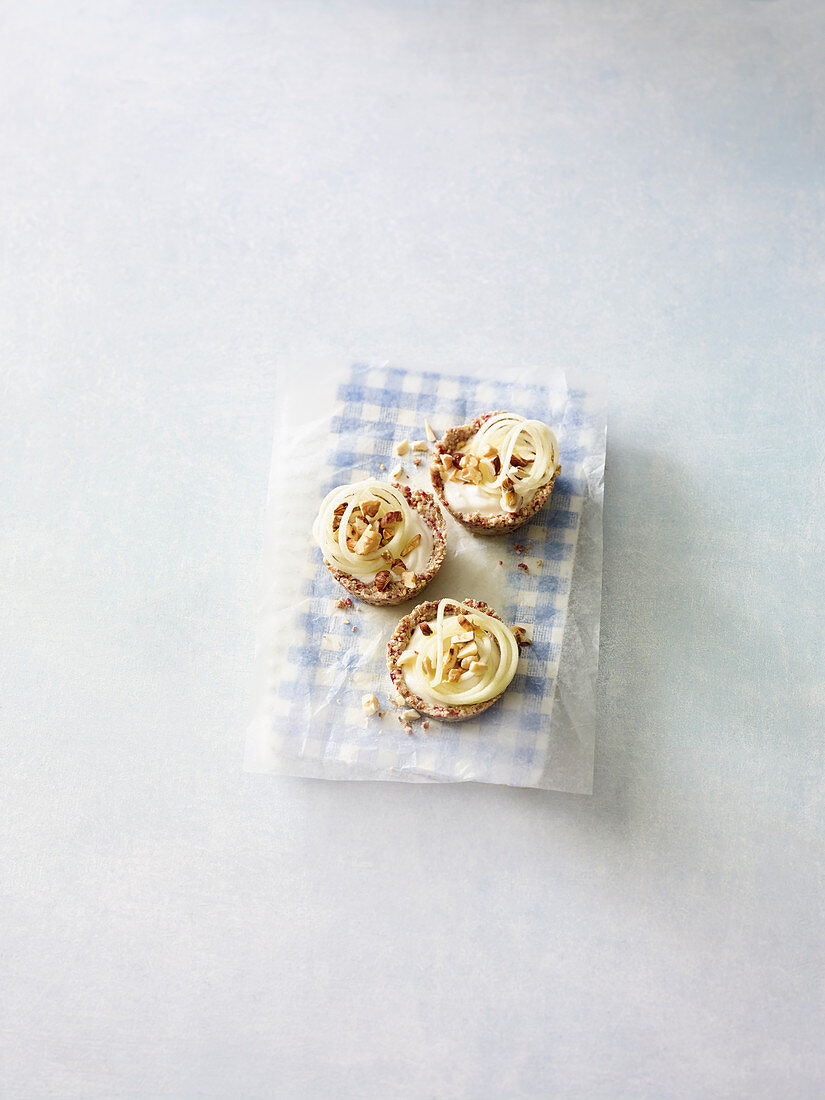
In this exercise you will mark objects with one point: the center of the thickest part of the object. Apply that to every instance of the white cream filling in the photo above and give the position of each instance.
(365, 567)
(462, 497)
(426, 662)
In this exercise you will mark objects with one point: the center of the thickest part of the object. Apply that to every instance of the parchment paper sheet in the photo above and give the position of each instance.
(312, 666)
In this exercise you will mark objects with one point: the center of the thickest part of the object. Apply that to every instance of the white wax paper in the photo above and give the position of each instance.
(337, 424)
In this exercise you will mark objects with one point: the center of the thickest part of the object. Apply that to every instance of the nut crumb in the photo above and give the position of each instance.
(501, 563)
(425, 725)
(519, 548)
(345, 601)
(522, 567)
(420, 445)
(398, 471)
(408, 728)
(345, 622)
(416, 462)
(402, 447)
(428, 428)
(369, 704)
(520, 634)
(410, 715)
(381, 466)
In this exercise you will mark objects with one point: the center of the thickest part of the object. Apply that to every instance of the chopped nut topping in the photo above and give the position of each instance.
(487, 469)
(522, 567)
(387, 555)
(509, 500)
(411, 716)
(416, 462)
(425, 725)
(398, 471)
(467, 636)
(428, 667)
(478, 666)
(340, 509)
(447, 462)
(469, 650)
(466, 662)
(520, 634)
(408, 577)
(411, 545)
(454, 675)
(345, 601)
(518, 461)
(369, 541)
(465, 623)
(429, 430)
(421, 445)
(369, 704)
(370, 507)
(402, 447)
(382, 579)
(496, 464)
(426, 629)
(389, 518)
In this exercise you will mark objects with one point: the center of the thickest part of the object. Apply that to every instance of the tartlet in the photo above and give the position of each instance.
(383, 543)
(494, 474)
(452, 659)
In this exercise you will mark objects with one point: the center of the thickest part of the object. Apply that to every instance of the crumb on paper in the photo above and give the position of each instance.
(408, 728)
(381, 713)
(523, 567)
(501, 563)
(345, 601)
(398, 471)
(425, 725)
(402, 447)
(346, 622)
(416, 462)
(381, 466)
(521, 636)
(411, 716)
(369, 704)
(421, 445)
(539, 563)
(354, 629)
(428, 428)
(519, 548)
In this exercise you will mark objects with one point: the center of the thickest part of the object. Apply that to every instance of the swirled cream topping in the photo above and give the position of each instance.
(460, 658)
(501, 467)
(369, 531)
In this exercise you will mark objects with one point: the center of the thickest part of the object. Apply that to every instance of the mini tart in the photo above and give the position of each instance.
(501, 499)
(392, 543)
(457, 628)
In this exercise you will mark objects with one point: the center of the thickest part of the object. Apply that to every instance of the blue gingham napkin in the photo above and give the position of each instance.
(317, 661)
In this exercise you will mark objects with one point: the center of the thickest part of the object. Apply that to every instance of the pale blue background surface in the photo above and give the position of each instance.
(193, 193)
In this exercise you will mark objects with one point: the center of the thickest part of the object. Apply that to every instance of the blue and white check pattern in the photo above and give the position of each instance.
(317, 713)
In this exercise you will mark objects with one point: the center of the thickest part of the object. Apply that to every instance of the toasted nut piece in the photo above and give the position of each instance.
(496, 464)
(428, 667)
(345, 601)
(339, 510)
(369, 541)
(447, 462)
(466, 662)
(425, 725)
(387, 536)
(518, 461)
(487, 469)
(426, 629)
(410, 715)
(398, 471)
(411, 545)
(428, 428)
(469, 650)
(389, 518)
(382, 579)
(402, 447)
(467, 636)
(388, 557)
(398, 566)
(416, 462)
(421, 445)
(509, 501)
(465, 623)
(521, 565)
(520, 634)
(369, 704)
(457, 457)
(408, 577)
(507, 485)
(454, 675)
(370, 507)
(470, 461)
(478, 666)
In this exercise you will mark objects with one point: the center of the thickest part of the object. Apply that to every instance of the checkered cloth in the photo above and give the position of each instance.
(327, 659)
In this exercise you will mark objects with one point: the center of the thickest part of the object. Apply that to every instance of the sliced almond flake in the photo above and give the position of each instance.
(428, 428)
(402, 447)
